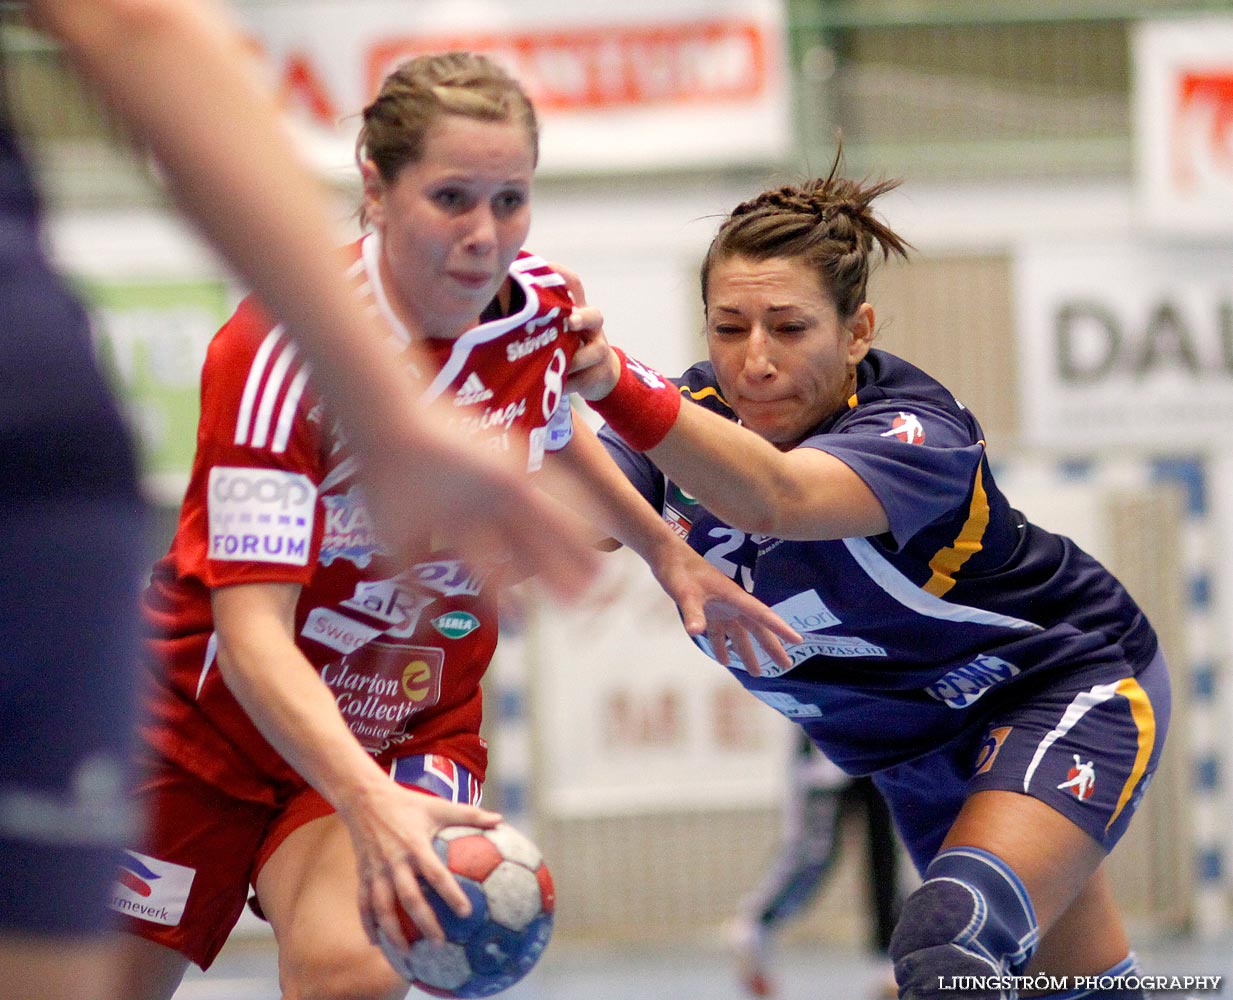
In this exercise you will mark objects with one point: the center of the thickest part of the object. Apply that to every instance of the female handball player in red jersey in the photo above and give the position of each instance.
(296, 669)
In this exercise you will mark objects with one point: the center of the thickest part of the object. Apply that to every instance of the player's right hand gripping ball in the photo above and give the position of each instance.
(512, 900)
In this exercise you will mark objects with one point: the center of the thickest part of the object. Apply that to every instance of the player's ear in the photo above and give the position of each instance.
(860, 326)
(374, 194)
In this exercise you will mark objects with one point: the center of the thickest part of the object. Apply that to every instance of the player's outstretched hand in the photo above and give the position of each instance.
(392, 838)
(713, 604)
(427, 480)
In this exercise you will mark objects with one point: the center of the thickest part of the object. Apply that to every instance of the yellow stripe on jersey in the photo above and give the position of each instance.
(947, 562)
(703, 394)
(1145, 723)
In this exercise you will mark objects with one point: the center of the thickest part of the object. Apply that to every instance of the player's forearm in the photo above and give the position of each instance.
(617, 510)
(287, 700)
(750, 484)
(739, 476)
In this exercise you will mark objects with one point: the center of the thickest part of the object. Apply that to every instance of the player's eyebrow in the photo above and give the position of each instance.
(735, 311)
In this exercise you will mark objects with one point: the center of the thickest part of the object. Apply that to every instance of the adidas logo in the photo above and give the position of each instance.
(472, 391)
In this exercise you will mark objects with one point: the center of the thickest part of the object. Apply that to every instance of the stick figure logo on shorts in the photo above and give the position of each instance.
(907, 428)
(1081, 779)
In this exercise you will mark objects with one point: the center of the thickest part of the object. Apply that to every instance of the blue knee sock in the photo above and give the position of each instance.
(968, 926)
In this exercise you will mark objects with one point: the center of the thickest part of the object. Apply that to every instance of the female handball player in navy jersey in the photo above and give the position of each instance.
(1001, 686)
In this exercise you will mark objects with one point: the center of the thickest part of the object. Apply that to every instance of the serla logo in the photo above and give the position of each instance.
(456, 624)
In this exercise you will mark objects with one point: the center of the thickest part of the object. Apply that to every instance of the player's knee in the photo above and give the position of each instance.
(971, 918)
(339, 973)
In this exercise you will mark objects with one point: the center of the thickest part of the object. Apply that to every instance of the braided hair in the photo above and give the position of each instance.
(826, 223)
(421, 90)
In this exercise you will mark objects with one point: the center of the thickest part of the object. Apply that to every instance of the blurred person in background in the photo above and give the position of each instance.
(1005, 692)
(177, 76)
(311, 719)
(819, 798)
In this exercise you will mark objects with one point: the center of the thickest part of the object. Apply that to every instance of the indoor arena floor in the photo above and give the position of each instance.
(569, 971)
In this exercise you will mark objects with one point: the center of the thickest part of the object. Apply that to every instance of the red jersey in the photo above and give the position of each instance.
(273, 498)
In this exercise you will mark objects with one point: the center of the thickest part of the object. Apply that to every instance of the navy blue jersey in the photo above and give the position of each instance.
(916, 635)
(71, 554)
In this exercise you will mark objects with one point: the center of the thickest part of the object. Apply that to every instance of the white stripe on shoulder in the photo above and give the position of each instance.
(524, 266)
(286, 416)
(912, 597)
(527, 263)
(347, 467)
(256, 372)
(269, 395)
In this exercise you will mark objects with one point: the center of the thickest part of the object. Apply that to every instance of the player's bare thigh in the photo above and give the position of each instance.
(58, 969)
(1081, 931)
(309, 891)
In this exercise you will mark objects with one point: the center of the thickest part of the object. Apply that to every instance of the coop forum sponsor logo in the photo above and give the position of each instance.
(260, 515)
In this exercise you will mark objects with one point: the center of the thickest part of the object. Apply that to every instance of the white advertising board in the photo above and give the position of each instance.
(631, 717)
(1125, 346)
(645, 84)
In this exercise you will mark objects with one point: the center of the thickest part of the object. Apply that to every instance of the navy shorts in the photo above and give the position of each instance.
(72, 551)
(1087, 748)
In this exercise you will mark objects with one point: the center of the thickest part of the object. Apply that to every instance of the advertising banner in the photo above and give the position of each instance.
(1184, 124)
(645, 84)
(1125, 346)
(151, 337)
(631, 717)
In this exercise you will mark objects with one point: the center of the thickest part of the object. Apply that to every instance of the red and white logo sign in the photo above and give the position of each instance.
(907, 428)
(1203, 129)
(1184, 123)
(1080, 779)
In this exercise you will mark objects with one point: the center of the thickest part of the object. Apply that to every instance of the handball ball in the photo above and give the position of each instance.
(505, 878)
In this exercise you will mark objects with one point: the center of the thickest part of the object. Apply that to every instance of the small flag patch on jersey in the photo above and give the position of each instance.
(151, 889)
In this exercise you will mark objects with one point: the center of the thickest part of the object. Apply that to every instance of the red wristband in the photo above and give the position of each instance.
(642, 406)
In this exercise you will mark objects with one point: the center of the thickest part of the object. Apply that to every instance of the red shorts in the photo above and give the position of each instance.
(204, 849)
